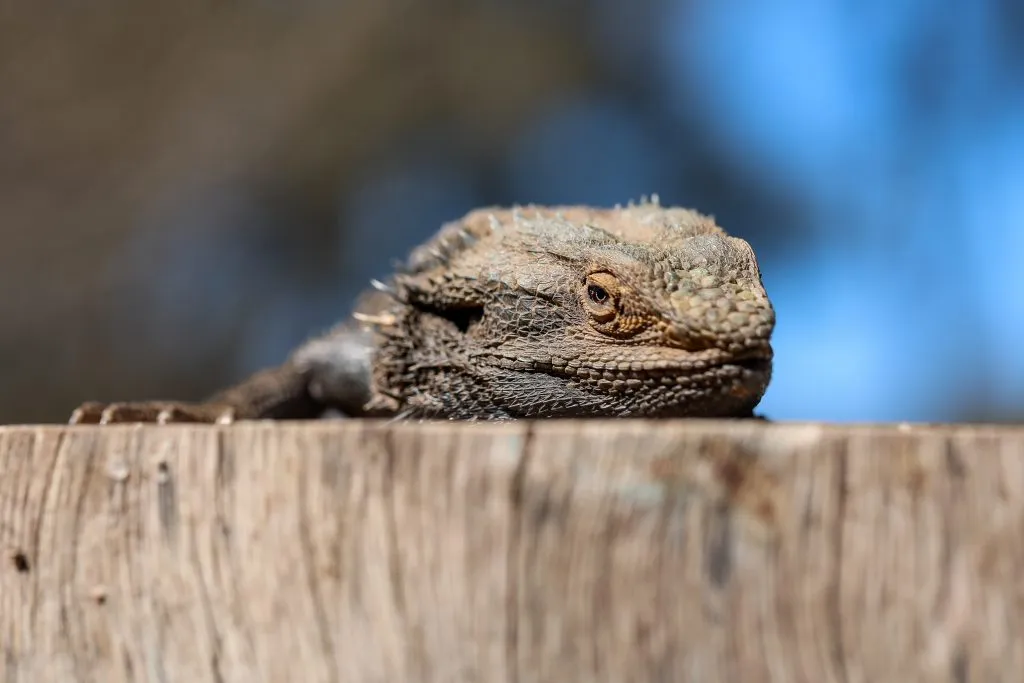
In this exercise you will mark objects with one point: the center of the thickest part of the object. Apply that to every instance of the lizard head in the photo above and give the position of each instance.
(572, 311)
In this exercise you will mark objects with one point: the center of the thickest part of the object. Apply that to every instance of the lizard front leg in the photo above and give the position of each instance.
(332, 371)
(278, 393)
(161, 412)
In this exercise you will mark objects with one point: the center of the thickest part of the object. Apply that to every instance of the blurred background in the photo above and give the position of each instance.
(190, 189)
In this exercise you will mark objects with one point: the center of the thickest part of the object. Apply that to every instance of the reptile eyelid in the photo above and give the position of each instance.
(599, 296)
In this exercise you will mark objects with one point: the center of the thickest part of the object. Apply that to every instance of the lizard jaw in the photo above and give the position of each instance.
(755, 360)
(710, 385)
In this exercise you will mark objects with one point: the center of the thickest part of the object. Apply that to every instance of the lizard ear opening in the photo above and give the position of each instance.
(600, 296)
(464, 317)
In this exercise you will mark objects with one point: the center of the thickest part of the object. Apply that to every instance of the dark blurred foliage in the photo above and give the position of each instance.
(187, 190)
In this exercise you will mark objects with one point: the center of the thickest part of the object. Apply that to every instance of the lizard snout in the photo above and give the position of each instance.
(722, 317)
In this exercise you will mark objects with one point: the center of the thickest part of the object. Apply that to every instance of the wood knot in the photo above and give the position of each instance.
(20, 561)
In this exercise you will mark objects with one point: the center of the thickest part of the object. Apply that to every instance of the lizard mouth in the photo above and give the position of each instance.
(757, 365)
(755, 360)
(758, 362)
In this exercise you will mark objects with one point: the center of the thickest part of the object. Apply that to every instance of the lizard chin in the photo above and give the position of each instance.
(727, 386)
(731, 389)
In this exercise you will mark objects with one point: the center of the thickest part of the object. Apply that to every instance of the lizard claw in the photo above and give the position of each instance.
(156, 412)
(207, 413)
(87, 413)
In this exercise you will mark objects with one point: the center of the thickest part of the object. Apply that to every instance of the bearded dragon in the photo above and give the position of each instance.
(529, 312)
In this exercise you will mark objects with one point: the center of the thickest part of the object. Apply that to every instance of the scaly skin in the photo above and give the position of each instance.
(536, 312)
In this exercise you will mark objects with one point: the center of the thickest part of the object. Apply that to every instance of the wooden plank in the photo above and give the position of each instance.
(554, 551)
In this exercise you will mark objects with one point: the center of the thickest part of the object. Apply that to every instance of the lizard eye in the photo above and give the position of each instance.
(599, 296)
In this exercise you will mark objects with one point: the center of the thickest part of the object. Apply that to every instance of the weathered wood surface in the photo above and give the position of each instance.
(615, 551)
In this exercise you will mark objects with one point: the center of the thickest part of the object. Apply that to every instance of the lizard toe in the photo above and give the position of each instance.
(129, 412)
(87, 413)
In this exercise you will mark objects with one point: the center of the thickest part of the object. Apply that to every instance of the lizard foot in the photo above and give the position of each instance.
(159, 412)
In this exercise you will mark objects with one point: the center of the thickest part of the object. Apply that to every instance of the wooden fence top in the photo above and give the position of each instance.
(360, 551)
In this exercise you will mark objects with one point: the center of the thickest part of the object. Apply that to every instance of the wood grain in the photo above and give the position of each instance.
(557, 551)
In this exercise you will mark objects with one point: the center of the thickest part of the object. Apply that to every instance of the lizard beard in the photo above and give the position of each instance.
(491, 386)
